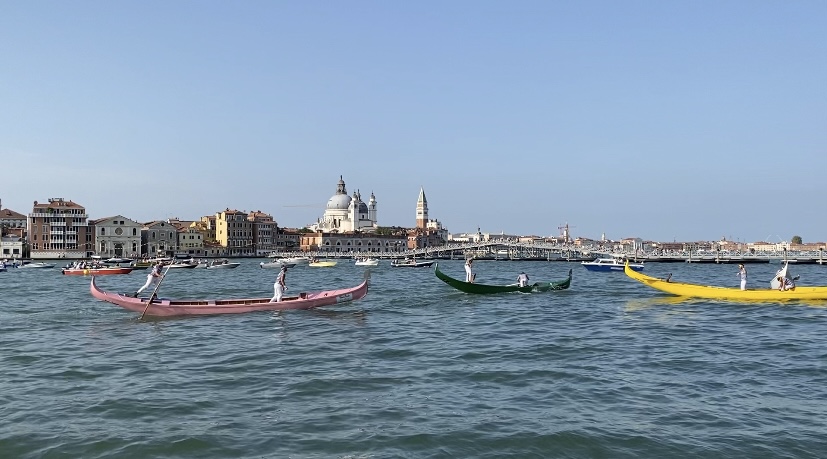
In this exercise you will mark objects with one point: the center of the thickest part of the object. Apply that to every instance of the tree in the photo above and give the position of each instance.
(797, 240)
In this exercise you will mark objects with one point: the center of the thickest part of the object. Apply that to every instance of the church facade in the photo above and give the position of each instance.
(346, 214)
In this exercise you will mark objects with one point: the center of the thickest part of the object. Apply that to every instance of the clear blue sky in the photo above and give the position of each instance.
(661, 120)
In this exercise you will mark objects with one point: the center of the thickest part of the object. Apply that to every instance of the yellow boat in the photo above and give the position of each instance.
(727, 293)
(321, 264)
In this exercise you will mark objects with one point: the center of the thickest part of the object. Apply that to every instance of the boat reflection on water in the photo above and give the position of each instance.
(640, 304)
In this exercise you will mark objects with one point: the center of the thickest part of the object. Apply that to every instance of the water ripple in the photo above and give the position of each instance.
(605, 369)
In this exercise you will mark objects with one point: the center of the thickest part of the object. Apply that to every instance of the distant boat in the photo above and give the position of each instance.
(610, 264)
(275, 264)
(222, 264)
(410, 263)
(322, 264)
(37, 265)
(366, 262)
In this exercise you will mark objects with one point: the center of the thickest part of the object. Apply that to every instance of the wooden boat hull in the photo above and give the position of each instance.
(557, 285)
(483, 289)
(96, 271)
(167, 307)
(727, 293)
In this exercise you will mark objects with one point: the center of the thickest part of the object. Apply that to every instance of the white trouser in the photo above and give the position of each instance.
(743, 284)
(150, 279)
(279, 293)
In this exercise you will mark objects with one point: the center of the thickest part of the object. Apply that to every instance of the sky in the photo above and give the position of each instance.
(667, 121)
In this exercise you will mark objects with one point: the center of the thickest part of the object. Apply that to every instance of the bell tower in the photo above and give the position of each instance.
(421, 210)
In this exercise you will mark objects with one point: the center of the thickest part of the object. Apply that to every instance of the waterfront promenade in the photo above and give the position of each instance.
(540, 251)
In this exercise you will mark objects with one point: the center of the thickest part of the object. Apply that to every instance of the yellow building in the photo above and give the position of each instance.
(234, 232)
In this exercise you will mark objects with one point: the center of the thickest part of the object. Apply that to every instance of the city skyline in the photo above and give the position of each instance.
(664, 121)
(561, 229)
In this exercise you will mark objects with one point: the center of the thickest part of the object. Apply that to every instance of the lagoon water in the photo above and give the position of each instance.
(607, 369)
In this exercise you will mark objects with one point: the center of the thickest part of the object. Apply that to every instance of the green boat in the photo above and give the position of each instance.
(483, 289)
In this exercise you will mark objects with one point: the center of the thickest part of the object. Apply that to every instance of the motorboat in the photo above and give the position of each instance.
(118, 260)
(37, 265)
(295, 260)
(183, 264)
(322, 263)
(366, 262)
(411, 263)
(222, 263)
(276, 264)
(610, 264)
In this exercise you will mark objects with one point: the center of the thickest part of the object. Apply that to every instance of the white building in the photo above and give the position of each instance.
(116, 236)
(11, 247)
(345, 214)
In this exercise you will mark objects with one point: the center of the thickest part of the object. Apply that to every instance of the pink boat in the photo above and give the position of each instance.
(167, 307)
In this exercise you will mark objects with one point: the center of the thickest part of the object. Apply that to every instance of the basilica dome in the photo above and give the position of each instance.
(339, 202)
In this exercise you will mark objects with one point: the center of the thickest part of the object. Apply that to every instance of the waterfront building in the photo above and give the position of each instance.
(352, 242)
(11, 222)
(190, 239)
(208, 228)
(234, 232)
(264, 230)
(12, 233)
(286, 239)
(116, 236)
(159, 238)
(11, 247)
(59, 229)
(345, 213)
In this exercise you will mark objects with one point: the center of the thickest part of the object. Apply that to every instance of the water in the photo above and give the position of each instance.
(608, 368)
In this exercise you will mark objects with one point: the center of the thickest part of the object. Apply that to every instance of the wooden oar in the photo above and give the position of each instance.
(155, 292)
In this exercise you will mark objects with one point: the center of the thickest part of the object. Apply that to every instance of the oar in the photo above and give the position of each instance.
(154, 292)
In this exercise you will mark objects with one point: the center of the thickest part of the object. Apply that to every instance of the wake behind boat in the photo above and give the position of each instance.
(484, 289)
(168, 307)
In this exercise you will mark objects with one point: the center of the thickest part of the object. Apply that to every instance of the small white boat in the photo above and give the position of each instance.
(37, 265)
(366, 262)
(322, 263)
(610, 264)
(222, 264)
(185, 264)
(295, 260)
(118, 260)
(275, 264)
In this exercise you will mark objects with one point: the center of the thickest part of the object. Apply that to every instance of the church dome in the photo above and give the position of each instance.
(363, 208)
(338, 202)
